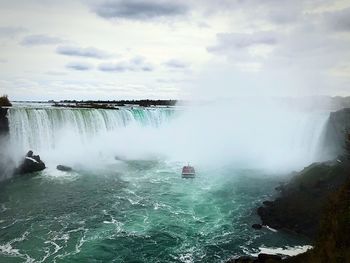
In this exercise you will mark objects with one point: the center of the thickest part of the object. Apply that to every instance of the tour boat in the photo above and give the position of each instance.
(188, 172)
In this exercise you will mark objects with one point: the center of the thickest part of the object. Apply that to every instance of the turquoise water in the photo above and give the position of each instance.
(135, 211)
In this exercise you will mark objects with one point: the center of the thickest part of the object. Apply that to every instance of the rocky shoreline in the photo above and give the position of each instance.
(315, 203)
(300, 204)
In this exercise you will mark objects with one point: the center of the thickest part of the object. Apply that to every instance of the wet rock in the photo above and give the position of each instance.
(64, 168)
(257, 226)
(242, 259)
(268, 258)
(31, 163)
(268, 203)
(4, 123)
(299, 207)
(119, 158)
(262, 258)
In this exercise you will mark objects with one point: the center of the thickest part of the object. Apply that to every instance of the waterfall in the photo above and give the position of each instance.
(264, 136)
(41, 128)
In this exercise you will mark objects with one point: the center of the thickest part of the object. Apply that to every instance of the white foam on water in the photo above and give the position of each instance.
(52, 173)
(3, 208)
(271, 229)
(187, 258)
(287, 251)
(9, 250)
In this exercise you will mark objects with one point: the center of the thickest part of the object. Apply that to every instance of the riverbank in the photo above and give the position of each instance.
(301, 201)
(315, 202)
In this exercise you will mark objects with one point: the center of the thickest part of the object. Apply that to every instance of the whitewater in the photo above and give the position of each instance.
(125, 200)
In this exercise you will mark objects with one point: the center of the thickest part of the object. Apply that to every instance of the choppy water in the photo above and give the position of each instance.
(135, 211)
(142, 210)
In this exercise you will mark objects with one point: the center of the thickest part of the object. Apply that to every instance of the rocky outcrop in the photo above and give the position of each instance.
(64, 168)
(262, 258)
(338, 124)
(6, 163)
(31, 163)
(4, 123)
(4, 101)
(300, 204)
(316, 201)
(333, 241)
(257, 226)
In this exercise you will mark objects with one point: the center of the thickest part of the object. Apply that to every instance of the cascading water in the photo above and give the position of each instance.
(139, 208)
(271, 138)
(41, 129)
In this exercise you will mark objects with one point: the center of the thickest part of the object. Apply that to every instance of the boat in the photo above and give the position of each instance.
(188, 172)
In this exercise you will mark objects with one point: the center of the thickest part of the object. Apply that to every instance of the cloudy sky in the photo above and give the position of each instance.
(123, 49)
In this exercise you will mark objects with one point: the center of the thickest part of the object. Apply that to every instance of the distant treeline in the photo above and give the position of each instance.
(4, 101)
(143, 103)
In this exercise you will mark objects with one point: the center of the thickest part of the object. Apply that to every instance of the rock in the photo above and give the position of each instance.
(338, 123)
(268, 203)
(268, 258)
(242, 259)
(299, 207)
(280, 188)
(7, 164)
(119, 158)
(4, 101)
(262, 258)
(31, 163)
(4, 123)
(270, 217)
(64, 168)
(257, 226)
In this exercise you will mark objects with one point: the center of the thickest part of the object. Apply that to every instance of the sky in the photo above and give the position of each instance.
(166, 49)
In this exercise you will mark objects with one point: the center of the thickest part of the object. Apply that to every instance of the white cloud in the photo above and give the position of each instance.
(135, 64)
(138, 10)
(89, 52)
(176, 64)
(38, 40)
(251, 47)
(80, 66)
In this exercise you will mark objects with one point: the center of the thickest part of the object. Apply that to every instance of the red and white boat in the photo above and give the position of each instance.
(188, 172)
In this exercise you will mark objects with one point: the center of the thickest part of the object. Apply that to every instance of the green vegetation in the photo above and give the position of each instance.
(4, 101)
